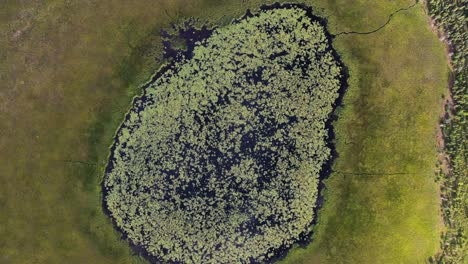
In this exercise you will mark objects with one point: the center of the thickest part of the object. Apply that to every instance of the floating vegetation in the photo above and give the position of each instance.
(218, 162)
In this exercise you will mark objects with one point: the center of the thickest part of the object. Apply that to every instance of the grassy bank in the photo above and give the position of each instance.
(68, 73)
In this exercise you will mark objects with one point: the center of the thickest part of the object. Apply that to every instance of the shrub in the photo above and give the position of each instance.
(451, 17)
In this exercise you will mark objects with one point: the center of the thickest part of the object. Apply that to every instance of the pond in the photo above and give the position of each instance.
(220, 160)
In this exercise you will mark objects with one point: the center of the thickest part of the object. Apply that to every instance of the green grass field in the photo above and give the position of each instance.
(68, 72)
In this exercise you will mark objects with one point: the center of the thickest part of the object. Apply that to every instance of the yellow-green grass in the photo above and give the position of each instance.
(68, 72)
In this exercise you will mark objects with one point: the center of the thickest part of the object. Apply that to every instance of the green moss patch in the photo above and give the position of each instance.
(219, 160)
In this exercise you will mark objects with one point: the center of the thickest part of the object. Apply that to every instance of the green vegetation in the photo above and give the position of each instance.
(219, 161)
(451, 17)
(69, 70)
